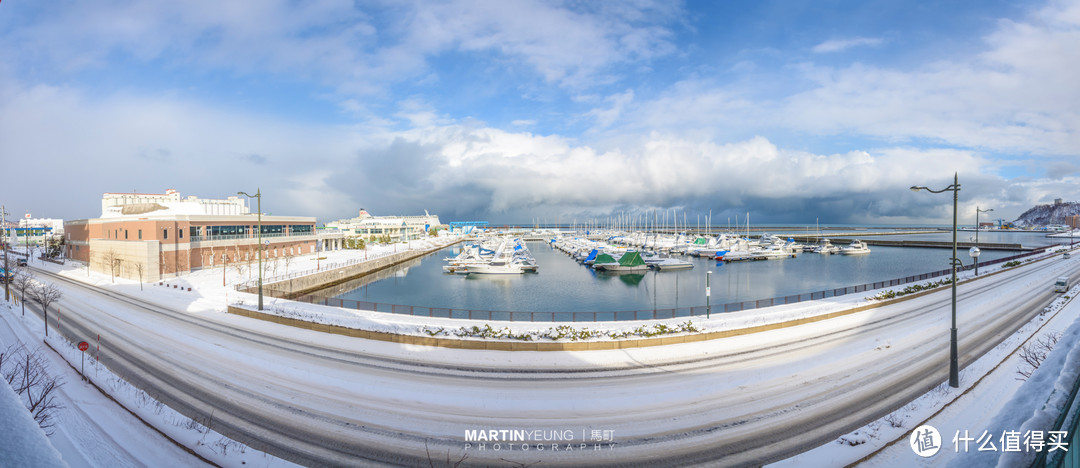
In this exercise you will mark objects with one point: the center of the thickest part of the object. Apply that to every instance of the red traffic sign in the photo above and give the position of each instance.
(83, 346)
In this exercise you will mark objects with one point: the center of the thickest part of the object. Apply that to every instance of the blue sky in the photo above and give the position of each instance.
(510, 111)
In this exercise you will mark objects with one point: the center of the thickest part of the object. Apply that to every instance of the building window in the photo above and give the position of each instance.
(165, 233)
(125, 234)
(140, 234)
(180, 232)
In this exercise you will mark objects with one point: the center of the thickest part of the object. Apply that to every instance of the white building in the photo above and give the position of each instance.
(398, 228)
(33, 231)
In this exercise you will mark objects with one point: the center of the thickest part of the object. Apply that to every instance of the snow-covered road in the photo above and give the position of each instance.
(324, 399)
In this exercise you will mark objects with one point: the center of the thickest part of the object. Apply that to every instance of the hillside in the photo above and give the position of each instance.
(1041, 215)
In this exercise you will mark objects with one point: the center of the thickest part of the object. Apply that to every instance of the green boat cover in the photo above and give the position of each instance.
(604, 258)
(701, 241)
(631, 258)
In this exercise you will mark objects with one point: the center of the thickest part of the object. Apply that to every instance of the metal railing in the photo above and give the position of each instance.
(610, 316)
(252, 236)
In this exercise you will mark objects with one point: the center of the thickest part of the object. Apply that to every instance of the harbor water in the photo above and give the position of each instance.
(563, 285)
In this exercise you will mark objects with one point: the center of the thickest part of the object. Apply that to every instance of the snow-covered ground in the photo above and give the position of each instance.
(22, 442)
(208, 300)
(983, 397)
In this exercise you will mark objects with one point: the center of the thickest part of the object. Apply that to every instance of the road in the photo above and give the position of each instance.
(327, 400)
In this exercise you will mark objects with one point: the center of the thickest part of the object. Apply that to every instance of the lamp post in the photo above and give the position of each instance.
(258, 200)
(954, 361)
(708, 292)
(976, 256)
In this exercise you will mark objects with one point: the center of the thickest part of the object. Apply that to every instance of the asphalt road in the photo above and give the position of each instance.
(319, 400)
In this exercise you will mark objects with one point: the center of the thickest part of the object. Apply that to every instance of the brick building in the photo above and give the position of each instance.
(152, 236)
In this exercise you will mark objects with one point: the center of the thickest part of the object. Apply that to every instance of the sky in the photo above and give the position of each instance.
(522, 111)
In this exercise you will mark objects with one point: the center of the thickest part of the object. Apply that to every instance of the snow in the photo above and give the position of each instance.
(208, 299)
(981, 403)
(22, 442)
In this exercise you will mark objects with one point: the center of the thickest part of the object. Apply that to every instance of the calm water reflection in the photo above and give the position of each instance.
(563, 285)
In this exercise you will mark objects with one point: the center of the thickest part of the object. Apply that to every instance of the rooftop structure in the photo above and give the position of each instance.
(114, 205)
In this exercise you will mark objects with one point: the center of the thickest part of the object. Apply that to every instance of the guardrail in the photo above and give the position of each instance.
(610, 316)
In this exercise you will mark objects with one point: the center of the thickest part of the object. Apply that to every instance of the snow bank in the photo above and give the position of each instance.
(1036, 404)
(22, 442)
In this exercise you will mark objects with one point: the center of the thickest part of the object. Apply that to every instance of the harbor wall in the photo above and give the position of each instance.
(294, 287)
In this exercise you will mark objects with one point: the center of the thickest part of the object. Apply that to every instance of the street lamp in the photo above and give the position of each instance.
(708, 292)
(258, 199)
(954, 361)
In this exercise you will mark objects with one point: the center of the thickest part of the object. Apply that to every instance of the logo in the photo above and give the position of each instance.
(925, 441)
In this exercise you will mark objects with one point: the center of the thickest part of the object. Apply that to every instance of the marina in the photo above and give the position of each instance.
(563, 287)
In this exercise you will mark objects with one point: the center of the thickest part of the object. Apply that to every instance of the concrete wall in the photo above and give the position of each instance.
(297, 286)
(129, 254)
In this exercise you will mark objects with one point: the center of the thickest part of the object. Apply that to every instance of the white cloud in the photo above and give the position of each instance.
(357, 49)
(466, 170)
(88, 145)
(1018, 96)
(605, 117)
(837, 45)
(151, 143)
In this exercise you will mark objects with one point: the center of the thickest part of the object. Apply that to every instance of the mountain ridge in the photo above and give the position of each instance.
(1050, 213)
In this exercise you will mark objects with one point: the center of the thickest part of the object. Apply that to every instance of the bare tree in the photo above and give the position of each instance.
(139, 269)
(23, 281)
(1034, 353)
(45, 294)
(111, 259)
(164, 264)
(287, 260)
(27, 373)
(181, 263)
(274, 264)
(240, 267)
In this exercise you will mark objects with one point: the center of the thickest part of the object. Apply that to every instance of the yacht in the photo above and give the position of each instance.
(826, 247)
(857, 247)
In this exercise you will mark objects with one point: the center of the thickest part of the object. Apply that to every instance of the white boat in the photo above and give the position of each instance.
(826, 247)
(495, 268)
(857, 247)
(666, 264)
